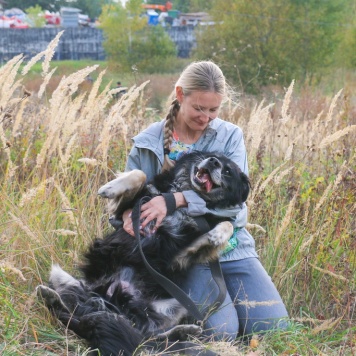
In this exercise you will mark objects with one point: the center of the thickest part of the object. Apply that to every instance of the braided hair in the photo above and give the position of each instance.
(203, 76)
(168, 133)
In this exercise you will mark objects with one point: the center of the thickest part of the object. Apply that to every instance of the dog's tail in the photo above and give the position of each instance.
(89, 316)
(106, 332)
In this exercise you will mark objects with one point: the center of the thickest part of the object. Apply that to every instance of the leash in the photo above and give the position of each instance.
(175, 291)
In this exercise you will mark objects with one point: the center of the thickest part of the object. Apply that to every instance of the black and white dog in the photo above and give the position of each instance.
(118, 306)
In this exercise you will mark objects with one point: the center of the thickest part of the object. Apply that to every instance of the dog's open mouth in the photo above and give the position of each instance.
(203, 179)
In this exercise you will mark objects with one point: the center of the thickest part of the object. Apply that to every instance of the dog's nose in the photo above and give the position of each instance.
(214, 161)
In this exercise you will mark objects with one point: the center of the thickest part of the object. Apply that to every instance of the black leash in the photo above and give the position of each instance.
(171, 287)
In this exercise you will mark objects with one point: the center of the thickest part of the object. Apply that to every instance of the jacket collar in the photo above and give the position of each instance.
(152, 137)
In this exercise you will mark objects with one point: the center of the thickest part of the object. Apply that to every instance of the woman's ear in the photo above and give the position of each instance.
(179, 94)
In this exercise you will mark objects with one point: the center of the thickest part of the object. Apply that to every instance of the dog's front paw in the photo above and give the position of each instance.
(125, 182)
(221, 234)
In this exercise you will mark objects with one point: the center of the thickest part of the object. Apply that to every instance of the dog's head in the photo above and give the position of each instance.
(216, 178)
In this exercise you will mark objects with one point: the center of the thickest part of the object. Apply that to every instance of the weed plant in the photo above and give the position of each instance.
(57, 150)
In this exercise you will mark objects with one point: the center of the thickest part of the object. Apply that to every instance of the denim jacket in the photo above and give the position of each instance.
(220, 136)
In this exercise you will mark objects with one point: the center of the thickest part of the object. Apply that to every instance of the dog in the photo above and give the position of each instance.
(118, 306)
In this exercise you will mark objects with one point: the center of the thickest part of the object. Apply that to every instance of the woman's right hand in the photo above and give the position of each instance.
(127, 220)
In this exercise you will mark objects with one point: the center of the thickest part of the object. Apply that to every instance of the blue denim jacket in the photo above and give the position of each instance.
(220, 136)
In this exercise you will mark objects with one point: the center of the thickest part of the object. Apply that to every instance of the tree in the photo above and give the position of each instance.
(129, 41)
(272, 41)
(35, 16)
(24, 4)
(192, 5)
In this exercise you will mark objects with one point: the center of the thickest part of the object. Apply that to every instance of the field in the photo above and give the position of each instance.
(61, 140)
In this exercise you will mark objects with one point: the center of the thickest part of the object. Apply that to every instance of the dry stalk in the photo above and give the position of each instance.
(63, 114)
(8, 267)
(332, 106)
(286, 102)
(306, 211)
(270, 178)
(25, 228)
(307, 243)
(66, 206)
(278, 179)
(329, 273)
(115, 120)
(28, 196)
(17, 120)
(8, 85)
(286, 220)
(255, 227)
(46, 80)
(337, 135)
(260, 120)
(47, 53)
(65, 232)
(326, 325)
(89, 161)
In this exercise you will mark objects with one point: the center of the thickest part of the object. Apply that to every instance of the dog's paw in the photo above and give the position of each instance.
(127, 181)
(180, 332)
(50, 297)
(221, 233)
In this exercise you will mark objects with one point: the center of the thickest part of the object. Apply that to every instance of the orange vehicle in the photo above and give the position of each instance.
(160, 7)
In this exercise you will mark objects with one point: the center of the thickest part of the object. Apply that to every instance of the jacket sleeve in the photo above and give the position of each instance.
(133, 160)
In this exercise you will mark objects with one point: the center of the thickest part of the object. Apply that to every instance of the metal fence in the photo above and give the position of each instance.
(75, 43)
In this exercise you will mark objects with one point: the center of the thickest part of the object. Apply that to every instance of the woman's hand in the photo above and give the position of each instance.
(127, 226)
(156, 208)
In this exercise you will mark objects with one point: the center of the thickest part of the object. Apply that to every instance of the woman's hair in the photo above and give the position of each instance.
(203, 76)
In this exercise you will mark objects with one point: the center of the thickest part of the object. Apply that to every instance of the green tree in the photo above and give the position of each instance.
(35, 16)
(129, 41)
(272, 41)
(192, 5)
(25, 4)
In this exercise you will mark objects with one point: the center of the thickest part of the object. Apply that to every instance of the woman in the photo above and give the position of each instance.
(252, 303)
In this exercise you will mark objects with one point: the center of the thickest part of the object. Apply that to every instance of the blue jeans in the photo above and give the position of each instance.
(252, 302)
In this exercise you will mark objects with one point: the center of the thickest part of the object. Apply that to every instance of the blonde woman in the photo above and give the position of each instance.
(252, 303)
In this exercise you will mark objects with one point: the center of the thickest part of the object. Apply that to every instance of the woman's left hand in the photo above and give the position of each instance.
(154, 209)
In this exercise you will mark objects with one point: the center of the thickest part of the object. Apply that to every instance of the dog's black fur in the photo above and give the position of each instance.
(118, 304)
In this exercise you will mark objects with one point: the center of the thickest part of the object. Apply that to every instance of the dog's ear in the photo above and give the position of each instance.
(243, 187)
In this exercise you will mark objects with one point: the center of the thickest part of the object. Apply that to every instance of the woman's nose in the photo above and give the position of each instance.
(206, 116)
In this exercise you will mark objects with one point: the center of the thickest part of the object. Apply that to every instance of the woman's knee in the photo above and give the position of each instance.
(222, 325)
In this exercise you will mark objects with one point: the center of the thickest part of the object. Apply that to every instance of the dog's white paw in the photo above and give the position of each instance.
(221, 234)
(180, 332)
(124, 182)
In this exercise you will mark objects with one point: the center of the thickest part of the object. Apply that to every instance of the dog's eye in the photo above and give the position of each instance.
(227, 171)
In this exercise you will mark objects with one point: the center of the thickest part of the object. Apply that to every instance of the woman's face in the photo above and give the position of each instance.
(198, 109)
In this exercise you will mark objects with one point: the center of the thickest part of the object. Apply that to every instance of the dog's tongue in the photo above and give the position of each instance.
(207, 182)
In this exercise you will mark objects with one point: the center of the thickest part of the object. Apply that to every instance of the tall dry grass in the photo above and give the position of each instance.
(56, 152)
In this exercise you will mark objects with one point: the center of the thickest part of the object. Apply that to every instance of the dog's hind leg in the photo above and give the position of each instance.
(51, 298)
(125, 184)
(64, 293)
(206, 247)
(122, 189)
(172, 311)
